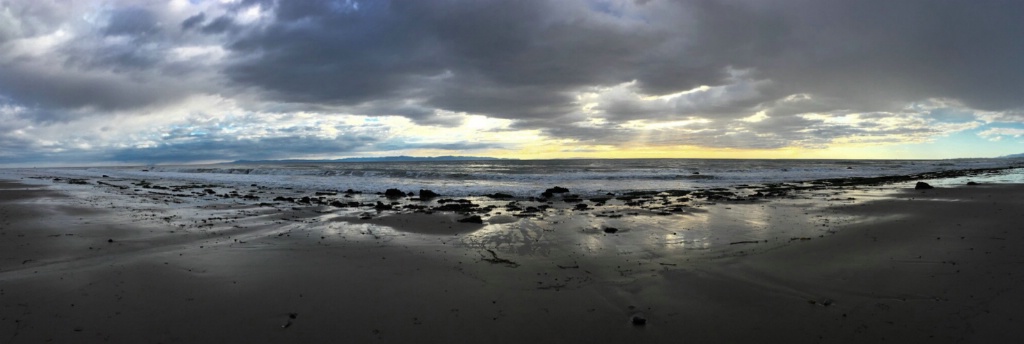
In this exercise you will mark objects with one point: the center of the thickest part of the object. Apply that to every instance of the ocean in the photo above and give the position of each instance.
(531, 177)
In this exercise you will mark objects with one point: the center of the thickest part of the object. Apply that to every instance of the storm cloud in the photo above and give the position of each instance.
(741, 74)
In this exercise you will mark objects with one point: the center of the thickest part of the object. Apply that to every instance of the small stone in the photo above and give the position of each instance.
(639, 320)
(610, 230)
(923, 186)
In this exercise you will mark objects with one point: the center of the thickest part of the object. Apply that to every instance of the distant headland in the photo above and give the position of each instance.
(400, 158)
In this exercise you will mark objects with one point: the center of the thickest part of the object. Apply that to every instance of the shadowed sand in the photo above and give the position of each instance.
(939, 265)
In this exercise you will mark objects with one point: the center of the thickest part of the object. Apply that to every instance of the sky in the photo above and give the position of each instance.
(194, 81)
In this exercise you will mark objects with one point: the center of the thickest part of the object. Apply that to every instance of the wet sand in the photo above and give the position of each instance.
(94, 263)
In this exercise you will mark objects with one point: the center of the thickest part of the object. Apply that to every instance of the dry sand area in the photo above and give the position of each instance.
(81, 265)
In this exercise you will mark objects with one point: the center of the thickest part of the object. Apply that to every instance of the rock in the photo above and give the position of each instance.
(556, 190)
(394, 193)
(499, 195)
(639, 320)
(610, 230)
(581, 206)
(209, 191)
(472, 219)
(972, 183)
(923, 186)
(427, 194)
(110, 241)
(456, 205)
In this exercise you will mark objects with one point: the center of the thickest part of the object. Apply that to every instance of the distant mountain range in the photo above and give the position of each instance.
(401, 158)
(1013, 156)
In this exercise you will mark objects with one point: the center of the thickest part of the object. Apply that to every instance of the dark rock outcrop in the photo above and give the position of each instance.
(556, 190)
(394, 193)
(427, 194)
(923, 186)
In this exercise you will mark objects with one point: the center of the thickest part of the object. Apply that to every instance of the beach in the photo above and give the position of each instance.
(125, 260)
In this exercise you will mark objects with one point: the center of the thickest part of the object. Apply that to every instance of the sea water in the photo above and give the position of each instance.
(531, 177)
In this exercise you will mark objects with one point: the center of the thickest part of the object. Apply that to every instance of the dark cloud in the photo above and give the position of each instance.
(131, 21)
(315, 54)
(502, 101)
(193, 21)
(877, 53)
(492, 57)
(523, 59)
(61, 96)
(219, 25)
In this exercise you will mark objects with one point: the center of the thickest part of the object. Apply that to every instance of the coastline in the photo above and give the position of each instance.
(92, 264)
